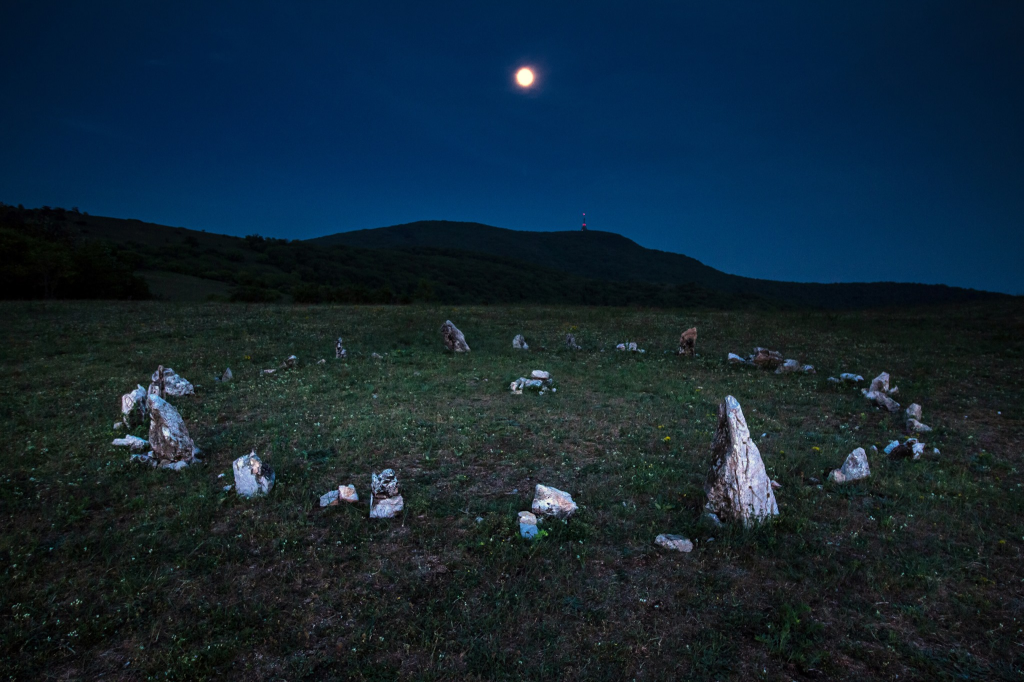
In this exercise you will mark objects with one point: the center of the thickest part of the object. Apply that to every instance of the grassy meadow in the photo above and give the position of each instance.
(115, 570)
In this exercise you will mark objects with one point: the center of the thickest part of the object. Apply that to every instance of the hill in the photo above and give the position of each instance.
(181, 264)
(610, 256)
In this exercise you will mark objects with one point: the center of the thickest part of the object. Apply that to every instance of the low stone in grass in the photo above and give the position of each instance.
(688, 342)
(767, 359)
(908, 449)
(226, 376)
(548, 501)
(854, 468)
(737, 486)
(519, 343)
(134, 408)
(344, 493)
(339, 350)
(570, 342)
(527, 525)
(385, 500)
(914, 424)
(133, 443)
(673, 542)
(252, 477)
(453, 339)
(290, 362)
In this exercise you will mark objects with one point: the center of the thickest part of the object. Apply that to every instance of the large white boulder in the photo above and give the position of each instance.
(548, 501)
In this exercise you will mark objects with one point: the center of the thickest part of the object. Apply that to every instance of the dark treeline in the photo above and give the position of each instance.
(44, 259)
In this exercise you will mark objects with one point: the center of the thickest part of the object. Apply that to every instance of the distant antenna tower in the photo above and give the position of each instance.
(584, 223)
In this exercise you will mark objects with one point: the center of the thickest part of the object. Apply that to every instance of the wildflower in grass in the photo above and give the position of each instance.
(666, 439)
(816, 448)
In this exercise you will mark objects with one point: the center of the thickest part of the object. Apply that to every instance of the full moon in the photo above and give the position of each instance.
(524, 77)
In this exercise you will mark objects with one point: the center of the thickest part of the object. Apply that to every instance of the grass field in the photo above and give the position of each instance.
(117, 570)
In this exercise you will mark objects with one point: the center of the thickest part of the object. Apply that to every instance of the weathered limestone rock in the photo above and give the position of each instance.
(385, 500)
(767, 359)
(549, 501)
(630, 346)
(788, 367)
(539, 381)
(854, 468)
(879, 393)
(688, 342)
(133, 443)
(527, 525)
(909, 448)
(166, 382)
(134, 408)
(226, 376)
(290, 362)
(344, 493)
(376, 356)
(453, 338)
(570, 342)
(737, 486)
(339, 350)
(347, 493)
(736, 360)
(673, 542)
(168, 436)
(519, 343)
(252, 476)
(914, 424)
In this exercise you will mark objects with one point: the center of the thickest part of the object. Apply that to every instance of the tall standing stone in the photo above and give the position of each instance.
(519, 342)
(688, 342)
(168, 435)
(737, 487)
(453, 338)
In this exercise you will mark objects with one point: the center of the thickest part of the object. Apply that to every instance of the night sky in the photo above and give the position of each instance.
(807, 141)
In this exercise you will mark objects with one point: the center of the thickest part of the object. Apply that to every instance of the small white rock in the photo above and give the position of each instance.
(674, 542)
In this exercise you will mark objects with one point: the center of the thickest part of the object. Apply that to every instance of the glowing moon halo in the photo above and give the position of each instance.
(524, 77)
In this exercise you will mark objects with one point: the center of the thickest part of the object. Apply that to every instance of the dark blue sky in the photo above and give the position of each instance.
(809, 141)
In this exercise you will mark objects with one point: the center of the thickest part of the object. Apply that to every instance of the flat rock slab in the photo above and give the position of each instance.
(673, 542)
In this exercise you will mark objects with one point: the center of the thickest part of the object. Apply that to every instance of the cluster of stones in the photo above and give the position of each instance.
(169, 444)
(846, 377)
(880, 394)
(548, 502)
(763, 358)
(630, 346)
(737, 486)
(539, 381)
(385, 499)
